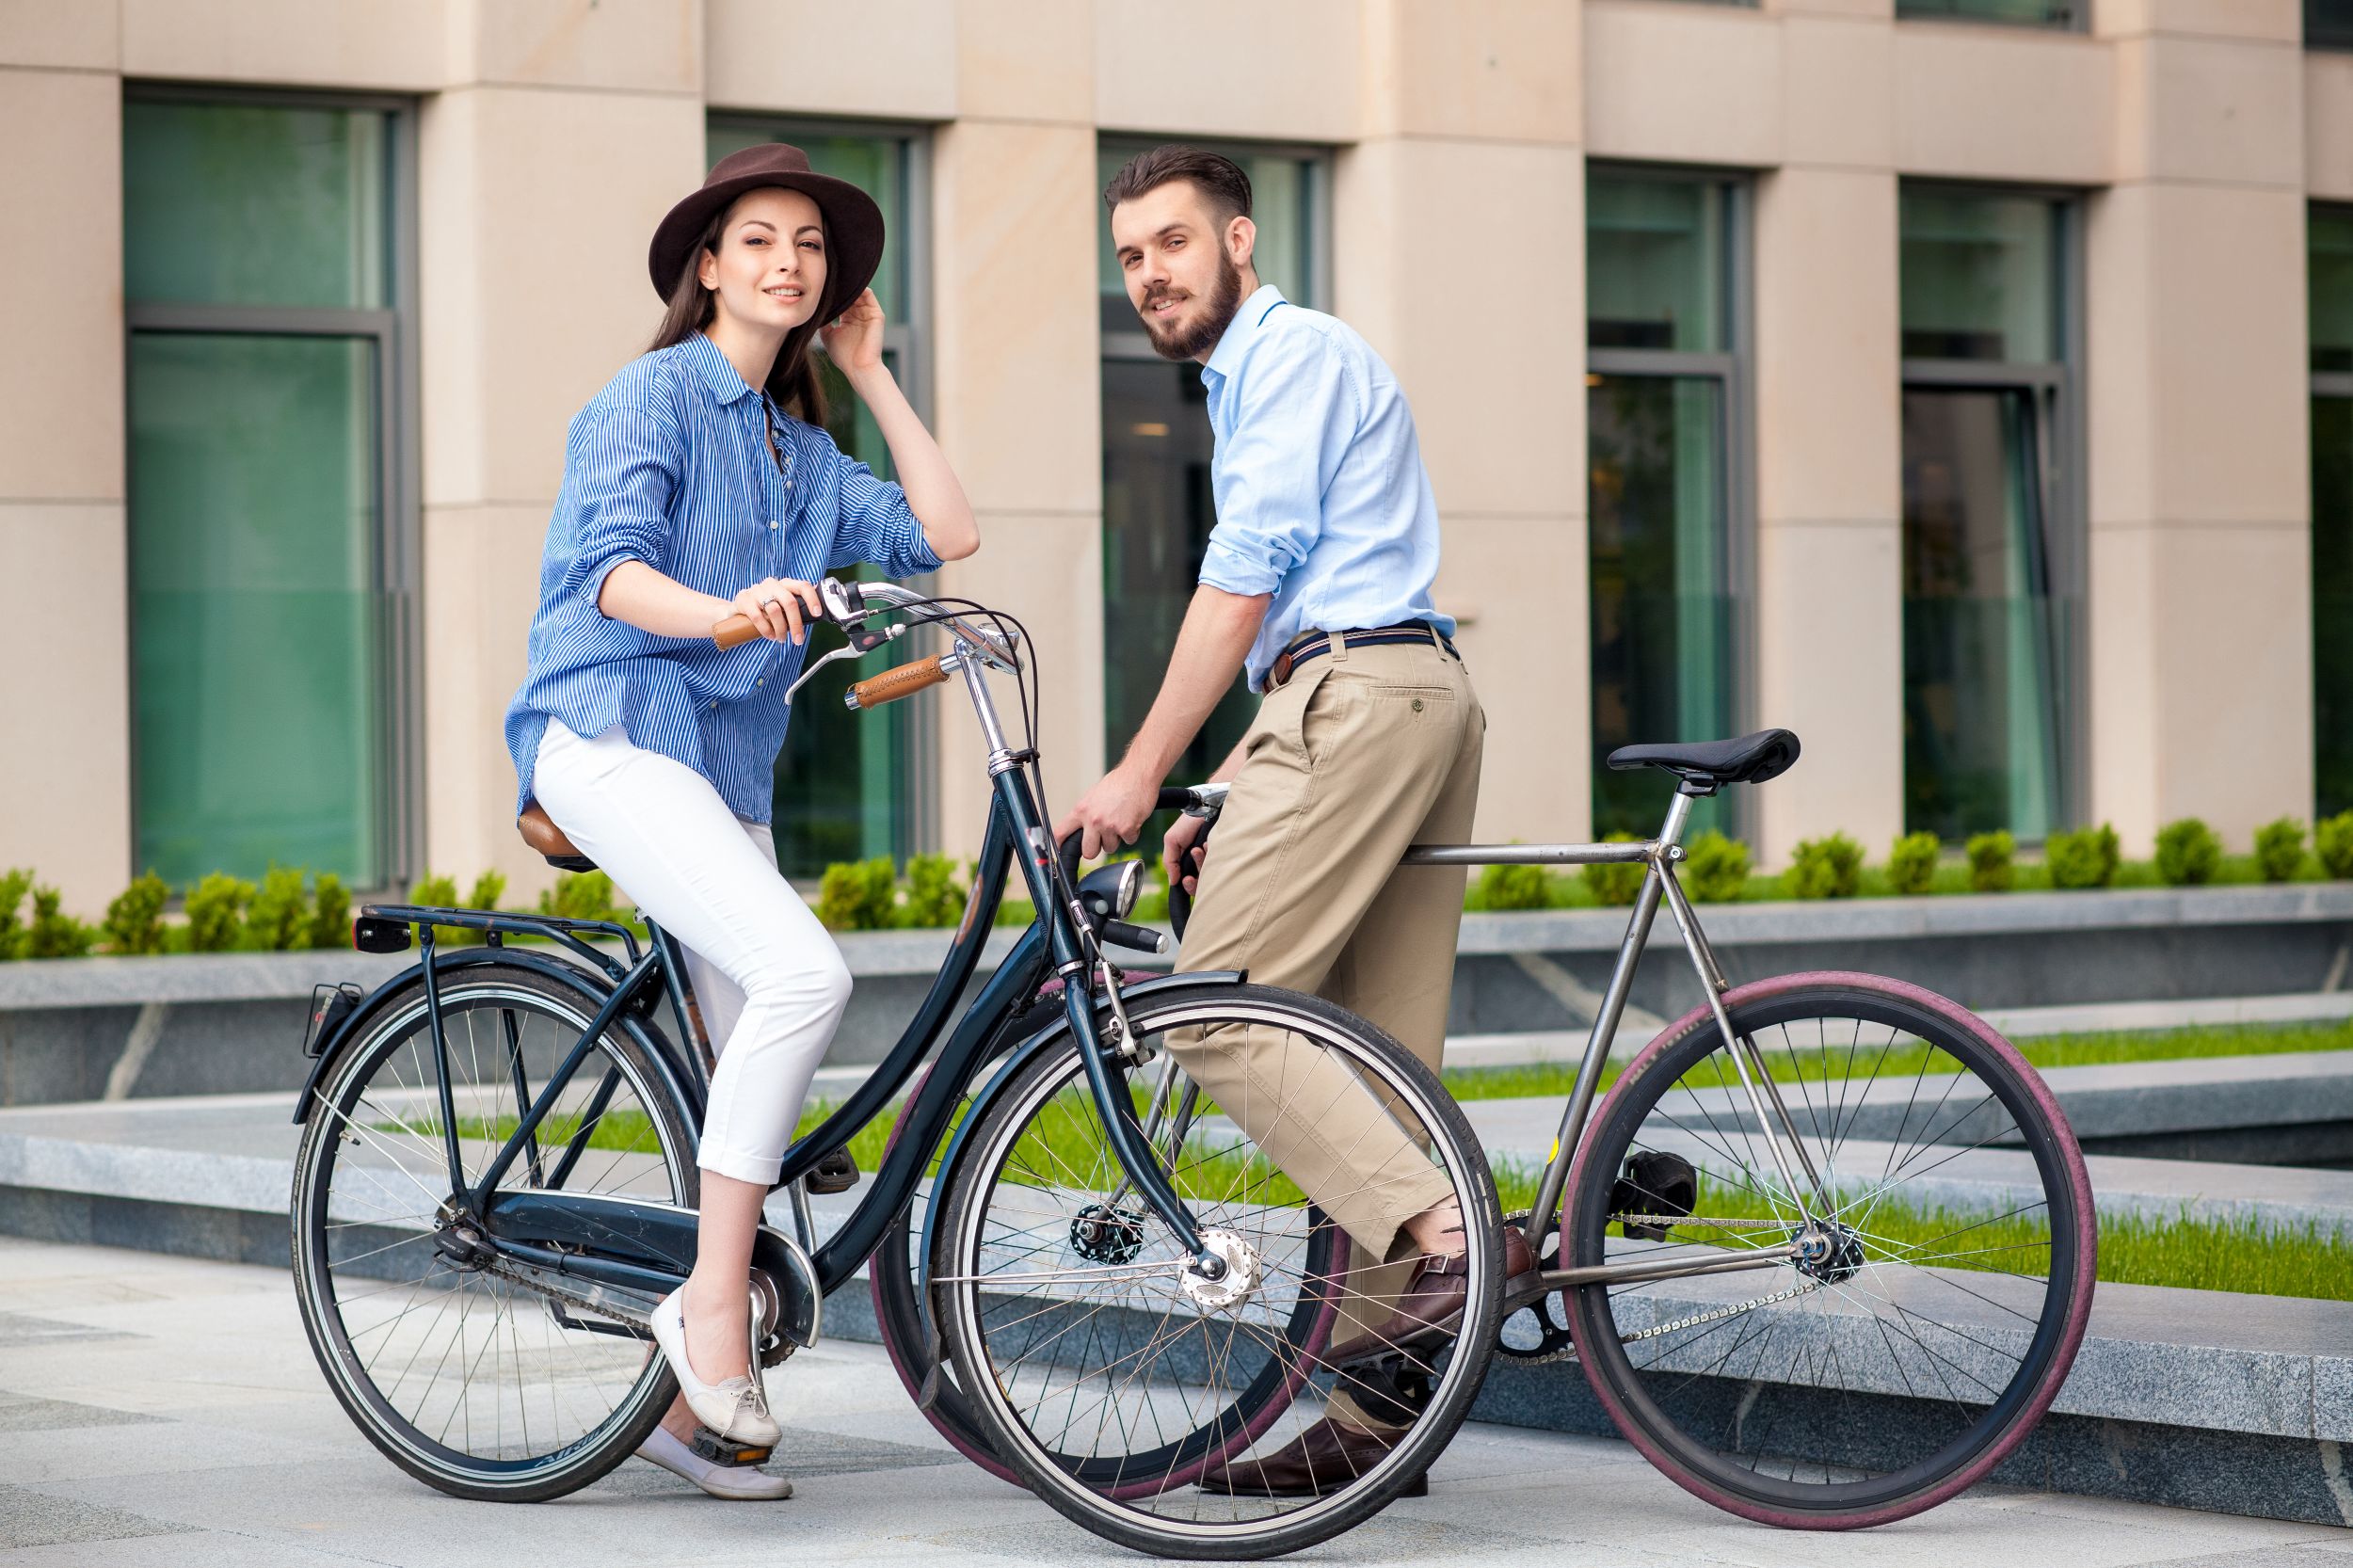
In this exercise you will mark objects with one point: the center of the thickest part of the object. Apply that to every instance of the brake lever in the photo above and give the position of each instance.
(859, 644)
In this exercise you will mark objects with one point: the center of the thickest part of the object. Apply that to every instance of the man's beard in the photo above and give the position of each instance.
(1225, 300)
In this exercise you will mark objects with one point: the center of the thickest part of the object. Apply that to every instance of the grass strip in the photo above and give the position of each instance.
(1814, 1065)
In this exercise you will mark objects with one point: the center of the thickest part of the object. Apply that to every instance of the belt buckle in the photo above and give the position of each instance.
(1279, 673)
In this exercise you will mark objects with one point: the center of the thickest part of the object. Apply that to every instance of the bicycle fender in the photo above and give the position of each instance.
(572, 977)
(1045, 1040)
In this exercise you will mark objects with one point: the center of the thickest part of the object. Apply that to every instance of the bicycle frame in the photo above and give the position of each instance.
(1060, 940)
(1658, 885)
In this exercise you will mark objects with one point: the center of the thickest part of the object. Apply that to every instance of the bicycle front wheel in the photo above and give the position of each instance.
(1903, 1279)
(1135, 1400)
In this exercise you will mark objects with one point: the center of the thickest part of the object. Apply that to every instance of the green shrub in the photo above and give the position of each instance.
(2088, 857)
(2332, 841)
(1514, 887)
(13, 886)
(280, 917)
(54, 933)
(580, 896)
(217, 908)
(488, 889)
(2189, 854)
(1911, 862)
(1990, 861)
(1620, 882)
(1826, 867)
(330, 913)
(1716, 868)
(2280, 849)
(135, 920)
(440, 893)
(934, 897)
(857, 895)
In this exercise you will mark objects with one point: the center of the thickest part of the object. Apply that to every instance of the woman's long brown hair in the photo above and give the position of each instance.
(792, 379)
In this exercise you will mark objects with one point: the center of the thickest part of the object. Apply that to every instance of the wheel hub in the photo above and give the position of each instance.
(1238, 1284)
(1831, 1252)
(1101, 1233)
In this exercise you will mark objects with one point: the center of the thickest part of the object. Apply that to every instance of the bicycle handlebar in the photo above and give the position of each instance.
(892, 684)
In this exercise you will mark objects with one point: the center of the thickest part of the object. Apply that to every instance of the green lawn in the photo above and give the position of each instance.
(2178, 1250)
(2053, 1050)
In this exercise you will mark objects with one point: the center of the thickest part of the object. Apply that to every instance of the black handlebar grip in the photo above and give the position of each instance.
(1181, 902)
(1142, 937)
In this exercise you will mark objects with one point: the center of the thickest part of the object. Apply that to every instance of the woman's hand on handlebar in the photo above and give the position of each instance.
(781, 607)
(1177, 852)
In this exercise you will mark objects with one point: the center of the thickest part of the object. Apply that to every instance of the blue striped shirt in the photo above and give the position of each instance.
(670, 464)
(1321, 498)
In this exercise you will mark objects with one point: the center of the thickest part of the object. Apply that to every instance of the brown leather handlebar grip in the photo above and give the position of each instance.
(891, 685)
(734, 632)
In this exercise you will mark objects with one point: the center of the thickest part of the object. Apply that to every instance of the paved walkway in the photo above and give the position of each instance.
(156, 1412)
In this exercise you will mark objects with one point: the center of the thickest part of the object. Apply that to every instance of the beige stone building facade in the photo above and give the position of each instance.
(2148, 180)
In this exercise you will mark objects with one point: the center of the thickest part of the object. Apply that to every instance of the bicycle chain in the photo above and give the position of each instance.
(1567, 1352)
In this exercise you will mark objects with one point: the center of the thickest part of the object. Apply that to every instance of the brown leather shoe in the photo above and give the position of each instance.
(1325, 1457)
(1433, 1296)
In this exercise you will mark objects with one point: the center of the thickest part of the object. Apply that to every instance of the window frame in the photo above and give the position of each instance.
(907, 335)
(2057, 387)
(399, 828)
(2078, 20)
(1733, 369)
(2325, 35)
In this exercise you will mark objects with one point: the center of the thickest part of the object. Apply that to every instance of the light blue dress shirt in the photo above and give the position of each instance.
(670, 464)
(1321, 498)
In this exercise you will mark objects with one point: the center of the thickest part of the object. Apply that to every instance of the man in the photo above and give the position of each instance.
(1317, 581)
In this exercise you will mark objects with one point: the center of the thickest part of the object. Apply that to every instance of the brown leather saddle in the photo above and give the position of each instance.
(540, 832)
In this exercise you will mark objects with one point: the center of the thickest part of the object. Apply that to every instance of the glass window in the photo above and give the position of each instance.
(1654, 263)
(2023, 13)
(1659, 391)
(2328, 23)
(1988, 593)
(258, 269)
(2330, 238)
(1158, 509)
(1980, 274)
(255, 204)
(846, 782)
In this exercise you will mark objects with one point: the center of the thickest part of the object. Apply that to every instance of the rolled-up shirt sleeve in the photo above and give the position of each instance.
(624, 466)
(875, 523)
(1298, 415)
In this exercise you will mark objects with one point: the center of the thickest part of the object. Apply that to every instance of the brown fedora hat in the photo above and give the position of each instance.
(853, 225)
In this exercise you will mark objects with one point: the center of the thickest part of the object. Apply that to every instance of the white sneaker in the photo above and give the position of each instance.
(735, 1408)
(741, 1483)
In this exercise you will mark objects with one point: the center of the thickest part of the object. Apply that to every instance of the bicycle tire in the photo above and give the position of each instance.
(1113, 1501)
(1879, 1461)
(330, 1247)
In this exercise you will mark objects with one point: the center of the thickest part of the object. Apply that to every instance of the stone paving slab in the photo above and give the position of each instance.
(246, 1460)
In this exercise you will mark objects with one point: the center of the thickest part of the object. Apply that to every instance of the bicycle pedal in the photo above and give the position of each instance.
(721, 1450)
(837, 1173)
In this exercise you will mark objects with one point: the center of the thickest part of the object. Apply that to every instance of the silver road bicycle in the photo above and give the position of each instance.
(1824, 1248)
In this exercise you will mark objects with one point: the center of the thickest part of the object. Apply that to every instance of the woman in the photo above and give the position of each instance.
(698, 484)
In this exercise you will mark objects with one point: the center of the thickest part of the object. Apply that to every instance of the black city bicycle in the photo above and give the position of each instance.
(1825, 1248)
(1093, 1279)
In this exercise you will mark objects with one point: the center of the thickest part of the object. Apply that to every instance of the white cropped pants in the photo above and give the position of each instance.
(767, 975)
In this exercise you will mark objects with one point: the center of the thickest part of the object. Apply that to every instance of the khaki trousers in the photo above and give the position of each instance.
(1364, 752)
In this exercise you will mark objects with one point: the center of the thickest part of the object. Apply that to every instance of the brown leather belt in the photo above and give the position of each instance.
(1314, 644)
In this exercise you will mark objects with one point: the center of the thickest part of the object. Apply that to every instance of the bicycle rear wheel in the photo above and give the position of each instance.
(1114, 1389)
(470, 1381)
(1942, 1270)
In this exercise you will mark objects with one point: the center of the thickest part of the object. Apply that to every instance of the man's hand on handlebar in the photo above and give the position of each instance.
(1110, 816)
(780, 608)
(1177, 853)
